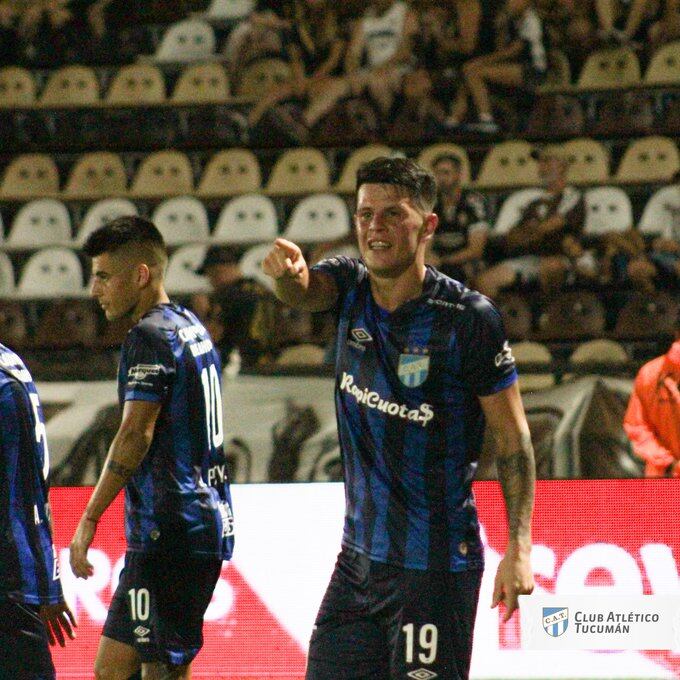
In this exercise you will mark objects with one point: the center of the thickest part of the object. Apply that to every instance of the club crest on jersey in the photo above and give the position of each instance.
(414, 365)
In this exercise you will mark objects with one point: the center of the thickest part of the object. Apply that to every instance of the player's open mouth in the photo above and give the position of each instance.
(379, 245)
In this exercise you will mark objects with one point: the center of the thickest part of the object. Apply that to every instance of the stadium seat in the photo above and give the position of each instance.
(304, 354)
(181, 276)
(250, 264)
(512, 208)
(664, 66)
(67, 324)
(318, 218)
(182, 220)
(97, 175)
(202, 84)
(650, 159)
(247, 219)
(137, 85)
(588, 161)
(39, 223)
(17, 87)
(30, 175)
(261, 76)
(608, 209)
(508, 164)
(51, 272)
(71, 86)
(299, 171)
(230, 9)
(430, 153)
(601, 351)
(661, 215)
(6, 276)
(164, 173)
(230, 172)
(647, 315)
(534, 353)
(516, 315)
(102, 212)
(572, 316)
(13, 324)
(186, 40)
(346, 183)
(610, 69)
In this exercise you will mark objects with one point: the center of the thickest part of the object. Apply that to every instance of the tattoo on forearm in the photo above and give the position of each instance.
(119, 469)
(517, 475)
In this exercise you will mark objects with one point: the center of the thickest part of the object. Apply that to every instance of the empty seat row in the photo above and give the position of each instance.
(251, 218)
(307, 170)
(137, 85)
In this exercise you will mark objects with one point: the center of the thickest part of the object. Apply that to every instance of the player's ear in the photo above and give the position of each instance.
(143, 275)
(430, 222)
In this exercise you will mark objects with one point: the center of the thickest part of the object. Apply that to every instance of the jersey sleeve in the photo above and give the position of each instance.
(487, 362)
(150, 365)
(345, 271)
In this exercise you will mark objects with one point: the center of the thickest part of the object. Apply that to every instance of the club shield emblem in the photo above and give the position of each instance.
(413, 367)
(555, 620)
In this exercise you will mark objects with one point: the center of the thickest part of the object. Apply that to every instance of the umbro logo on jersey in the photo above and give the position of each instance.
(141, 631)
(422, 674)
(360, 335)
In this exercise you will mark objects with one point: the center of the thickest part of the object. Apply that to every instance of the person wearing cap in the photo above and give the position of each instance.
(652, 420)
(544, 244)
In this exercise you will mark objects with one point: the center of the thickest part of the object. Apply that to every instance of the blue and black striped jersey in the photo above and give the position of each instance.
(179, 497)
(409, 419)
(29, 570)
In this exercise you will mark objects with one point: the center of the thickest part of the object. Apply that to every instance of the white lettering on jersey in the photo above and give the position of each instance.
(423, 414)
(141, 371)
(504, 356)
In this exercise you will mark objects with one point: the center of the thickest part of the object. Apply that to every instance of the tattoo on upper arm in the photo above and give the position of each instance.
(119, 469)
(517, 475)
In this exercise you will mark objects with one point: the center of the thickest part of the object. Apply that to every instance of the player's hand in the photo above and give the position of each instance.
(58, 619)
(514, 577)
(285, 258)
(79, 545)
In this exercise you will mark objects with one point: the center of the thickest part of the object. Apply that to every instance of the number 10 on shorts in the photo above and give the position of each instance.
(427, 642)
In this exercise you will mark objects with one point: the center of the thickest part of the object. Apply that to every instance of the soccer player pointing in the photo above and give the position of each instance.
(167, 454)
(422, 364)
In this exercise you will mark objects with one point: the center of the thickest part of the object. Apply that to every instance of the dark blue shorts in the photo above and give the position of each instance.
(159, 605)
(24, 647)
(383, 622)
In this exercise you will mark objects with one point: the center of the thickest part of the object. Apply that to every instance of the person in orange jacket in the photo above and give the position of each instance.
(652, 420)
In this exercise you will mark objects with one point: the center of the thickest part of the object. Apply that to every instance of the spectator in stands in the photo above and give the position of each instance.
(520, 60)
(667, 26)
(238, 308)
(653, 414)
(9, 38)
(620, 27)
(544, 245)
(315, 48)
(461, 236)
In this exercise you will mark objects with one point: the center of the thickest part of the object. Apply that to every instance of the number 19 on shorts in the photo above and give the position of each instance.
(422, 640)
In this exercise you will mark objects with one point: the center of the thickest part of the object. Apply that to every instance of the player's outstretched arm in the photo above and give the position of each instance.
(58, 619)
(294, 283)
(126, 452)
(517, 475)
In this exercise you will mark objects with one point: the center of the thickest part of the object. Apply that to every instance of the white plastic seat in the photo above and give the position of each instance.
(305, 354)
(348, 177)
(430, 154)
(52, 272)
(588, 161)
(183, 219)
(602, 351)
(250, 264)
(512, 208)
(299, 171)
(607, 209)
(247, 219)
(6, 275)
(39, 223)
(661, 215)
(103, 212)
(137, 84)
(509, 164)
(650, 159)
(318, 218)
(230, 9)
(181, 276)
(535, 353)
(187, 40)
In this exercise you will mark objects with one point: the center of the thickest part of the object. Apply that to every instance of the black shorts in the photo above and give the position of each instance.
(381, 622)
(159, 605)
(24, 647)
